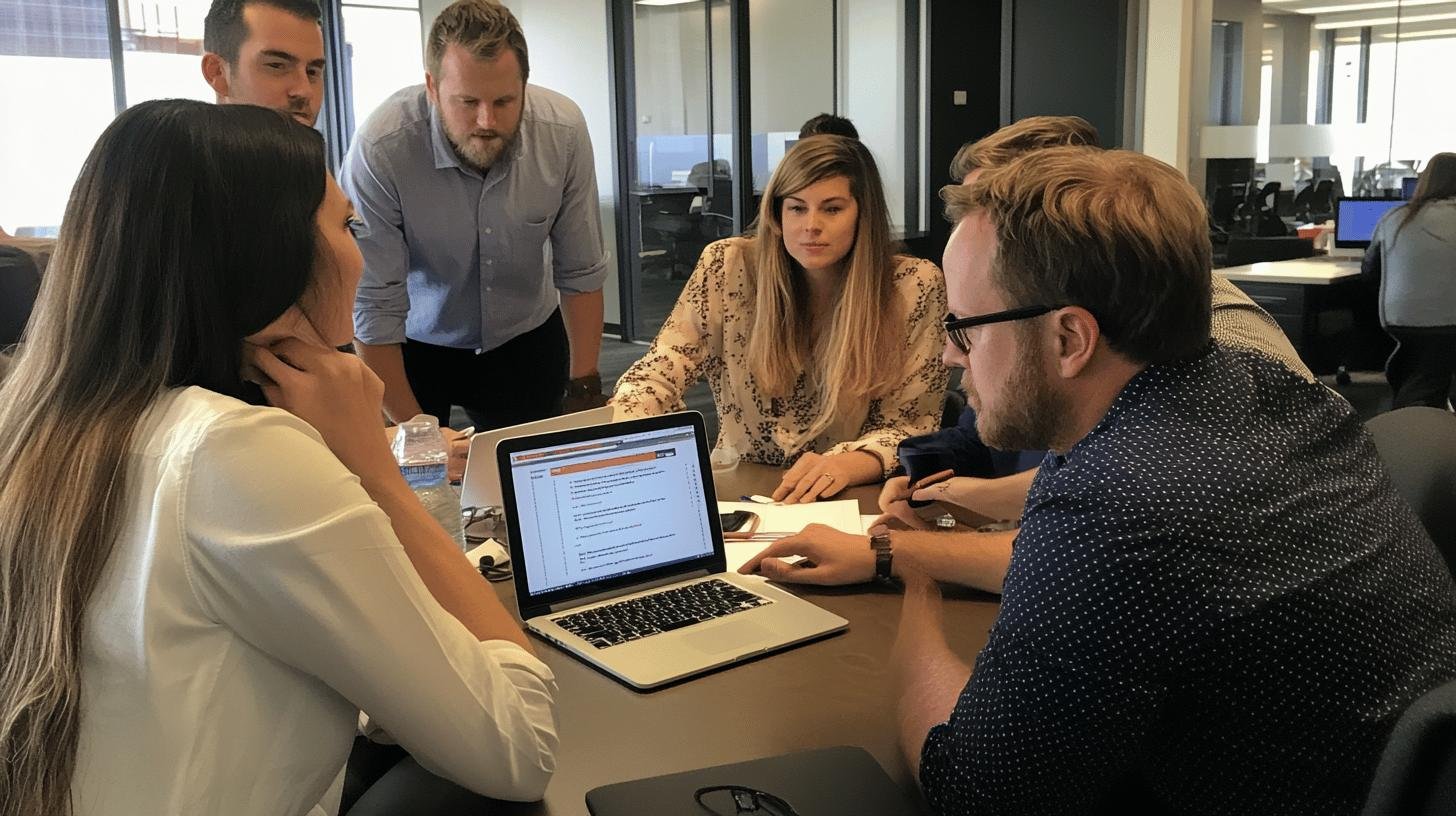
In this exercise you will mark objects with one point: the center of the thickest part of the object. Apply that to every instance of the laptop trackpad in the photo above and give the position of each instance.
(727, 637)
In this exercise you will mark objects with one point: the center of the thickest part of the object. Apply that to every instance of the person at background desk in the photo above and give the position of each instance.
(462, 184)
(1216, 603)
(821, 344)
(266, 52)
(1413, 256)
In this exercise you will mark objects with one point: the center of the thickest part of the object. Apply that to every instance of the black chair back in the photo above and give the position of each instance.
(1417, 771)
(1418, 445)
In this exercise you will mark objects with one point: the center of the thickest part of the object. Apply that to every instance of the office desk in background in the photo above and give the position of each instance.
(834, 691)
(1324, 308)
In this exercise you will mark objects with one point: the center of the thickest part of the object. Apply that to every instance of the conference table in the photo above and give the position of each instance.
(835, 691)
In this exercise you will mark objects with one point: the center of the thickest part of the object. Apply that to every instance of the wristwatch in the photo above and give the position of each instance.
(587, 385)
(880, 543)
(583, 393)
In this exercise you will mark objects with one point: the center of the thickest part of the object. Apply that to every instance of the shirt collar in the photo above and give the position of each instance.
(444, 153)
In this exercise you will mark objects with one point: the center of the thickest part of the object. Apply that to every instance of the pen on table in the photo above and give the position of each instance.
(934, 478)
(757, 499)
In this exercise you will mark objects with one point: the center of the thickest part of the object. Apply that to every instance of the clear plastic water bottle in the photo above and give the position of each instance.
(420, 451)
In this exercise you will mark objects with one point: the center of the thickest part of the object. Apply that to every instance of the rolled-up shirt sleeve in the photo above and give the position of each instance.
(382, 302)
(579, 258)
(295, 558)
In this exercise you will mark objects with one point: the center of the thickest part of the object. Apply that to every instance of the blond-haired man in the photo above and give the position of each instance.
(478, 197)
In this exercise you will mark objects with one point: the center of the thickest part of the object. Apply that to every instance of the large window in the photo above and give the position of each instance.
(384, 48)
(56, 91)
(696, 165)
(162, 49)
(1347, 103)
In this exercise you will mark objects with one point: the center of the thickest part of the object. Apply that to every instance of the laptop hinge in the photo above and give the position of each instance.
(628, 590)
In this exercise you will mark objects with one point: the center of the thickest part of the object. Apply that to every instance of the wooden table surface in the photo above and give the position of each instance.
(831, 692)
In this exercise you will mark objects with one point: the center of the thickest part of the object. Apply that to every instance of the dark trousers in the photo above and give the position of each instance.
(521, 381)
(383, 780)
(1421, 367)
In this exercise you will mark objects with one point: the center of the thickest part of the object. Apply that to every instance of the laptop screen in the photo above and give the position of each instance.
(621, 502)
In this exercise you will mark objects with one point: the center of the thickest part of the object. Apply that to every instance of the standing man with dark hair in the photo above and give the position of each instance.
(829, 124)
(266, 52)
(483, 254)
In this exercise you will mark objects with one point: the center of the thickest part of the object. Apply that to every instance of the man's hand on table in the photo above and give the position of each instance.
(832, 558)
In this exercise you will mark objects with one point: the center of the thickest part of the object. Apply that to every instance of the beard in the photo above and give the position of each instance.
(481, 148)
(1030, 413)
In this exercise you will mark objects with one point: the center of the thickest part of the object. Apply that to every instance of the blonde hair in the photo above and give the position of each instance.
(1120, 234)
(1017, 139)
(482, 27)
(854, 357)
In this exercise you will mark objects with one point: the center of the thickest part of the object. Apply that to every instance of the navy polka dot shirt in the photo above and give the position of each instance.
(1216, 604)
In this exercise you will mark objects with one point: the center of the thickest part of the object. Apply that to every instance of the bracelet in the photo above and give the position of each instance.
(884, 559)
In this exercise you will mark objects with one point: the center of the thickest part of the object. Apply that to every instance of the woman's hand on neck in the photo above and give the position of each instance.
(291, 324)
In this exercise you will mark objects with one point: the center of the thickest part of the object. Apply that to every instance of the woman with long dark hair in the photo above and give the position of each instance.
(198, 593)
(1413, 253)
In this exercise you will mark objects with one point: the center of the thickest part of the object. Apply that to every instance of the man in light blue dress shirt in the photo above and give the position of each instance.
(479, 204)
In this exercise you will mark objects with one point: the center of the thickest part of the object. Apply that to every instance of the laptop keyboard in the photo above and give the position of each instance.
(630, 620)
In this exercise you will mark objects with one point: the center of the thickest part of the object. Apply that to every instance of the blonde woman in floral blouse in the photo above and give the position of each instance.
(821, 345)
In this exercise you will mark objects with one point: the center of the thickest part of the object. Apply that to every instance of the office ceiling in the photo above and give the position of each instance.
(1414, 18)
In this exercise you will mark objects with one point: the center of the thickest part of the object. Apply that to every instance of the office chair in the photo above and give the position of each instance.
(718, 209)
(1418, 445)
(1322, 200)
(669, 219)
(1417, 771)
(19, 285)
(1224, 207)
(1264, 221)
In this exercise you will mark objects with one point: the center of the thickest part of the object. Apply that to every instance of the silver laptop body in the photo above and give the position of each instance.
(481, 486)
(625, 516)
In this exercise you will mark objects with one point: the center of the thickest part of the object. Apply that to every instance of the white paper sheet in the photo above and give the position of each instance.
(789, 518)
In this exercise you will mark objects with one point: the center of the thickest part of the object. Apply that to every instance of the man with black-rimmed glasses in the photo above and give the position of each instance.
(1216, 602)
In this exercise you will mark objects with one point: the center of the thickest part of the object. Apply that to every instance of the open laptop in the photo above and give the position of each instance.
(619, 557)
(481, 486)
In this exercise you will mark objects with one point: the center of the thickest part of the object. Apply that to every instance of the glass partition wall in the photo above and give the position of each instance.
(710, 96)
(1323, 98)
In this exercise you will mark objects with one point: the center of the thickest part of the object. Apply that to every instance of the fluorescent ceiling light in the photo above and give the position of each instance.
(1378, 21)
(1413, 35)
(664, 2)
(1370, 6)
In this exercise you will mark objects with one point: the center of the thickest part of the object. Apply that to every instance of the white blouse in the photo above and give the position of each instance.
(255, 601)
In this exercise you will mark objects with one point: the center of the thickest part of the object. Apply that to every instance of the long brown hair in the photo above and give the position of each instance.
(190, 227)
(1437, 183)
(855, 358)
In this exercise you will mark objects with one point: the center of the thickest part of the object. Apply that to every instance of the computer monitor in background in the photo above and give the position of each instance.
(1355, 219)
(1408, 187)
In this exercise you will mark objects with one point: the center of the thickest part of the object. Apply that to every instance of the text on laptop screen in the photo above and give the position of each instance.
(608, 507)
(1357, 217)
